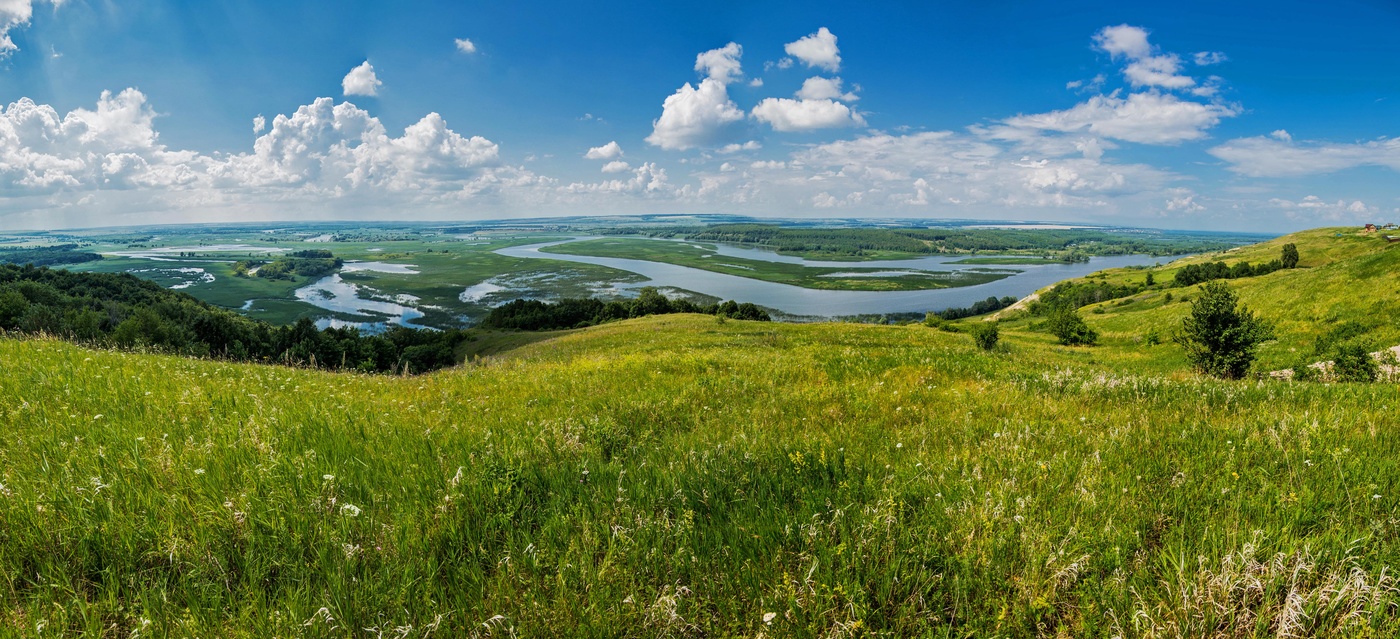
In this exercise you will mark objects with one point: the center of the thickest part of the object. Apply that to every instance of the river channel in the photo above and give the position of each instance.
(796, 300)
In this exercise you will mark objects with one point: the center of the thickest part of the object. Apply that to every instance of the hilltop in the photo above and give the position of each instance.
(681, 475)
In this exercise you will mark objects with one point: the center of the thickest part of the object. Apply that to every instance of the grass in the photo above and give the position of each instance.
(704, 257)
(676, 476)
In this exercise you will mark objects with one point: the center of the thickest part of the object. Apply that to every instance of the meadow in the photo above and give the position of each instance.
(682, 475)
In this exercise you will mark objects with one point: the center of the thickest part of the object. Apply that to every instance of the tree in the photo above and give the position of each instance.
(985, 334)
(1066, 324)
(1150, 280)
(1353, 364)
(1221, 335)
(1290, 256)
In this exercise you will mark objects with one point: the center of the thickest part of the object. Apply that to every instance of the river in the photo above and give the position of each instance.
(796, 300)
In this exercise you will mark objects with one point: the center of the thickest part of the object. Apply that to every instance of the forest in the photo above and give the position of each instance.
(534, 315)
(47, 255)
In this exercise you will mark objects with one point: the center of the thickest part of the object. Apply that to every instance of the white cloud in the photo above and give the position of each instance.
(1313, 208)
(1278, 156)
(648, 179)
(1158, 71)
(751, 145)
(609, 151)
(361, 81)
(1207, 58)
(616, 166)
(819, 88)
(259, 124)
(784, 114)
(15, 14)
(816, 50)
(721, 64)
(1184, 204)
(694, 117)
(1123, 40)
(1148, 118)
(465, 45)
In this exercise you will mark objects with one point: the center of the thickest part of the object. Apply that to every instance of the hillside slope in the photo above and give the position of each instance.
(1347, 286)
(674, 476)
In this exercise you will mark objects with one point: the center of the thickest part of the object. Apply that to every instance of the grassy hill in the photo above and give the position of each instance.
(1346, 286)
(678, 476)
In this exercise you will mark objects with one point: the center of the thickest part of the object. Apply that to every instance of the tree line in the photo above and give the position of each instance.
(534, 315)
(48, 255)
(308, 263)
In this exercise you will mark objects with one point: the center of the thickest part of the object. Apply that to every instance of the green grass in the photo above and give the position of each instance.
(677, 476)
(704, 257)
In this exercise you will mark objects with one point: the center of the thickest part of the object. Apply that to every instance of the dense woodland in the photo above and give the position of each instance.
(1063, 244)
(47, 255)
(534, 315)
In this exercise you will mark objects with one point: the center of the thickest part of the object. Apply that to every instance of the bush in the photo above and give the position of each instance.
(1220, 335)
(1353, 364)
(1066, 324)
(985, 335)
(1290, 256)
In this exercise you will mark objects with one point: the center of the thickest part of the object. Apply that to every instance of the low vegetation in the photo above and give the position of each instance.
(534, 315)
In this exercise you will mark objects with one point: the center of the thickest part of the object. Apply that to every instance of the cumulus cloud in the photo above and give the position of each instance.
(1123, 40)
(648, 179)
(735, 147)
(609, 151)
(259, 124)
(465, 45)
(1148, 118)
(616, 166)
(721, 64)
(361, 80)
(1145, 68)
(788, 115)
(1278, 156)
(695, 116)
(819, 88)
(817, 50)
(15, 14)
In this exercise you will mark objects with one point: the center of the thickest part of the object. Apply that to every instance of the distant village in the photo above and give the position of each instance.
(1372, 228)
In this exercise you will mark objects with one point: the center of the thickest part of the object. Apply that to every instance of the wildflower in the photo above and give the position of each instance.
(768, 617)
(199, 471)
(1375, 496)
(899, 445)
(97, 417)
(328, 477)
(350, 509)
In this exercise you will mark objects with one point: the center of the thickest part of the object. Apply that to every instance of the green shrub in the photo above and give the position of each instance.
(1066, 324)
(985, 335)
(1220, 335)
(1353, 364)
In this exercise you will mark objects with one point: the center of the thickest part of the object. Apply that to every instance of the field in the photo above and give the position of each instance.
(704, 257)
(681, 476)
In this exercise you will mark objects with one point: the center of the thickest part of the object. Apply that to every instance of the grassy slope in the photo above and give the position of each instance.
(1344, 276)
(687, 254)
(675, 476)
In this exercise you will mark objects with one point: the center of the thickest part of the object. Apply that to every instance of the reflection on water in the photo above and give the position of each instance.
(805, 301)
(335, 294)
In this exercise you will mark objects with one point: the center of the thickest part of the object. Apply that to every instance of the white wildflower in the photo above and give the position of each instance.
(350, 509)
(199, 471)
(768, 617)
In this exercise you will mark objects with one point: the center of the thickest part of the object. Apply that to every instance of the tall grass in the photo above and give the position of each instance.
(672, 476)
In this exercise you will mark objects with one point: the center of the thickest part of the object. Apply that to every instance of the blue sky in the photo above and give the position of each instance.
(1205, 115)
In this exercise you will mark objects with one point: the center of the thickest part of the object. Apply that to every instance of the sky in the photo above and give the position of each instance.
(1240, 116)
